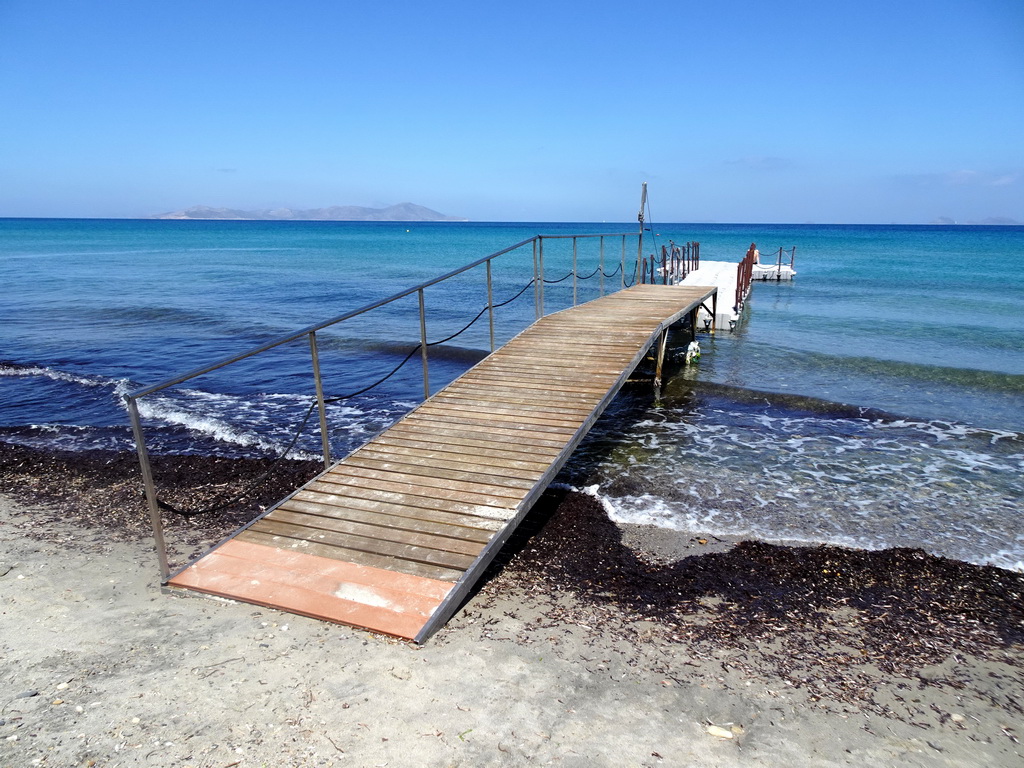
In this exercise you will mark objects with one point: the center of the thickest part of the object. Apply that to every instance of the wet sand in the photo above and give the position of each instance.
(588, 644)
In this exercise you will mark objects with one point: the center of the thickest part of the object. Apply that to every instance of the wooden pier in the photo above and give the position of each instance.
(393, 537)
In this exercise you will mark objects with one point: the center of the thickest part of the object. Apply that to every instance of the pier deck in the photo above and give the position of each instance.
(393, 537)
(723, 275)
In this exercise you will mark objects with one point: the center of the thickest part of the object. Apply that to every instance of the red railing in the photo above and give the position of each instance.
(743, 272)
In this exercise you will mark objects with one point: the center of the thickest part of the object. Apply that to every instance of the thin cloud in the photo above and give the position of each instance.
(966, 178)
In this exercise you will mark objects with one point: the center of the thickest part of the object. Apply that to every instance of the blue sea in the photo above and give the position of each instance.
(877, 400)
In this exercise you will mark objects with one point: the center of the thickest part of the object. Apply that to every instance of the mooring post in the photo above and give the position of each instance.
(150, 487)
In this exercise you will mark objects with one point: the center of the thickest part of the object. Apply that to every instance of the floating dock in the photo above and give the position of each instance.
(723, 275)
(734, 281)
(393, 537)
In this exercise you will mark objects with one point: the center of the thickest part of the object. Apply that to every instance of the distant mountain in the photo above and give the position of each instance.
(400, 212)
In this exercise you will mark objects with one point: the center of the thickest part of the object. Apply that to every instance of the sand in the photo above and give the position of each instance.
(589, 645)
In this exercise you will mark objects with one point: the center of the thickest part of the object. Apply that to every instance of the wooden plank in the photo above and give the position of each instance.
(551, 416)
(341, 475)
(507, 401)
(560, 378)
(566, 367)
(481, 466)
(488, 388)
(335, 508)
(478, 439)
(346, 500)
(535, 434)
(537, 407)
(427, 481)
(315, 522)
(405, 464)
(516, 380)
(461, 450)
(496, 382)
(569, 353)
(518, 430)
(364, 544)
(346, 555)
(380, 492)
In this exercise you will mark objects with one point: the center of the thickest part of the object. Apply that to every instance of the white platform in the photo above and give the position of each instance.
(772, 272)
(723, 275)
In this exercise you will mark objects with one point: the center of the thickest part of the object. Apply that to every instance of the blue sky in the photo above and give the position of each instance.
(896, 111)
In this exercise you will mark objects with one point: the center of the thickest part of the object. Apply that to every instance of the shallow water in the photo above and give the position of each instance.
(877, 400)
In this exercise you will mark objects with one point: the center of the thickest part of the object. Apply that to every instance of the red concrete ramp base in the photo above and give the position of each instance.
(383, 601)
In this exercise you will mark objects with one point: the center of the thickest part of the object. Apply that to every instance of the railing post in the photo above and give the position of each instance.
(600, 271)
(423, 345)
(536, 283)
(640, 259)
(739, 286)
(622, 266)
(540, 267)
(325, 439)
(490, 303)
(150, 487)
(574, 301)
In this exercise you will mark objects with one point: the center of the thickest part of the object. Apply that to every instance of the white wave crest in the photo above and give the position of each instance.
(55, 375)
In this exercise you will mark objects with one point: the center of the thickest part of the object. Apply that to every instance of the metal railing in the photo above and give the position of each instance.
(780, 260)
(538, 281)
(744, 270)
(674, 264)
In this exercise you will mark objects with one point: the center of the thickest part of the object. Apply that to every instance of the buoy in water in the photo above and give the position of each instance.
(692, 352)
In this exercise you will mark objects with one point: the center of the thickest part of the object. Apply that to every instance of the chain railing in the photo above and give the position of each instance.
(672, 266)
(538, 281)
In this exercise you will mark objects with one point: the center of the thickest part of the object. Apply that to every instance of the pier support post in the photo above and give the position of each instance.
(662, 343)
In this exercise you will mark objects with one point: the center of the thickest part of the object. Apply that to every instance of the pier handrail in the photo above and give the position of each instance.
(674, 264)
(744, 271)
(538, 281)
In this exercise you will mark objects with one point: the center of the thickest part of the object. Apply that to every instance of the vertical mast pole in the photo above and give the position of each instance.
(640, 217)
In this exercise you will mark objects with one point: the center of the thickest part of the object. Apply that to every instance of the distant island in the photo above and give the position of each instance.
(400, 212)
(990, 221)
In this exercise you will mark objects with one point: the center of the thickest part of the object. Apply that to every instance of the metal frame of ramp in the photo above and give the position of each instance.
(393, 537)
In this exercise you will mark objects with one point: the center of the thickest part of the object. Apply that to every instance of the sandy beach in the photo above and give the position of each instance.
(588, 644)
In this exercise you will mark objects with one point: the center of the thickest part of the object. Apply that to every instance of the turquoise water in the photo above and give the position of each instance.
(876, 400)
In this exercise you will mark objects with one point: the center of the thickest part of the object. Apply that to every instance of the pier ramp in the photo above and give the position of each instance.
(393, 537)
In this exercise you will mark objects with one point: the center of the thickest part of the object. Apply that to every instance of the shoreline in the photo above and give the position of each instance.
(586, 644)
